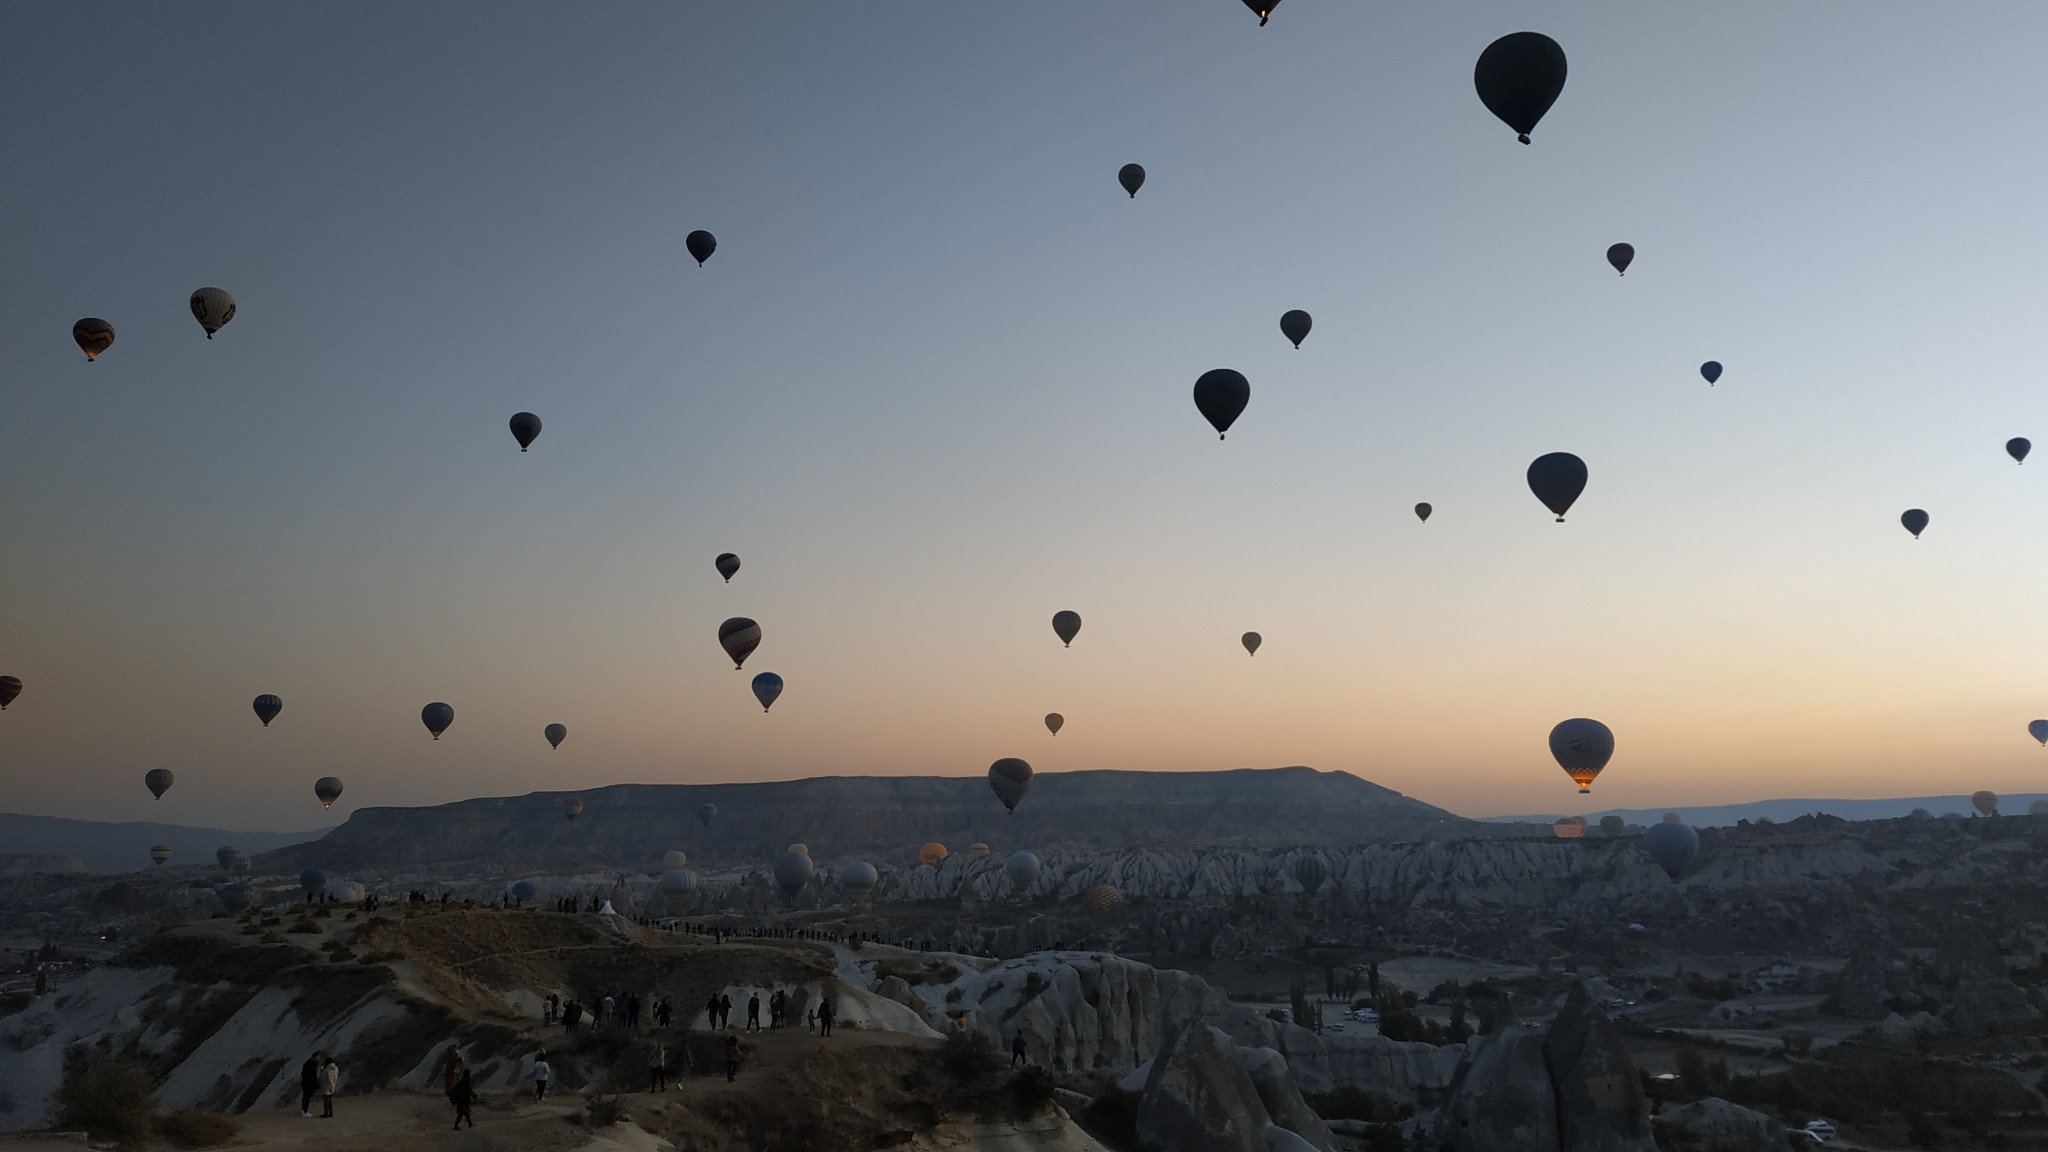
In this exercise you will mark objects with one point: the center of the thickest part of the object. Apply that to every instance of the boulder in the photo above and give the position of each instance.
(1501, 1099)
(1715, 1125)
(898, 989)
(1199, 1097)
(1280, 1139)
(1600, 1104)
(1860, 991)
(1282, 1097)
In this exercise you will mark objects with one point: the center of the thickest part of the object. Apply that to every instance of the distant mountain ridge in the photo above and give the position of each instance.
(1726, 815)
(631, 825)
(97, 846)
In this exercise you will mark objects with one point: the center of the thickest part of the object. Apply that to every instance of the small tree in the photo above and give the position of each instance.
(1297, 993)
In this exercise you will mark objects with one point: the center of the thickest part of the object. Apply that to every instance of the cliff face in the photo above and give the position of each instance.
(886, 817)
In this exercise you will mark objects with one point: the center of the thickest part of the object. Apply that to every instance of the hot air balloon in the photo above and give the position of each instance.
(977, 849)
(2018, 447)
(1915, 521)
(1021, 869)
(10, 687)
(525, 890)
(226, 857)
(1582, 748)
(1621, 256)
(1569, 827)
(437, 717)
(1422, 512)
(267, 707)
(701, 245)
(800, 848)
(345, 892)
(1295, 325)
(158, 780)
(674, 858)
(1262, 9)
(1518, 78)
(1310, 872)
(525, 428)
(1101, 898)
(792, 872)
(727, 564)
(1011, 779)
(233, 897)
(213, 308)
(1711, 372)
(572, 806)
(158, 853)
(1613, 826)
(1220, 395)
(1251, 642)
(705, 812)
(1986, 803)
(328, 789)
(1672, 845)
(1557, 479)
(555, 733)
(1053, 722)
(94, 336)
(932, 853)
(739, 637)
(2038, 729)
(678, 881)
(1066, 626)
(311, 881)
(767, 686)
(859, 878)
(1132, 177)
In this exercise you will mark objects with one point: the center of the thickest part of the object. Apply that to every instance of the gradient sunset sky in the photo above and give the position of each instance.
(934, 386)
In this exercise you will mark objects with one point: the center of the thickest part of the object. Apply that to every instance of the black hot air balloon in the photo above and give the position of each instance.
(1132, 177)
(328, 789)
(1621, 256)
(1557, 479)
(1518, 78)
(94, 336)
(1711, 372)
(525, 428)
(1422, 512)
(267, 707)
(2018, 447)
(1310, 872)
(1294, 324)
(556, 733)
(1582, 748)
(701, 245)
(705, 812)
(1066, 626)
(10, 687)
(1251, 642)
(767, 686)
(437, 717)
(158, 781)
(1011, 779)
(1262, 9)
(727, 564)
(1054, 722)
(1671, 844)
(739, 637)
(1915, 521)
(1221, 394)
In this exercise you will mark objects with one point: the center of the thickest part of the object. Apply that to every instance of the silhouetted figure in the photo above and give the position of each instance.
(1017, 1051)
(732, 1056)
(825, 1016)
(309, 1083)
(462, 1096)
(754, 1013)
(724, 1011)
(711, 1012)
(657, 1068)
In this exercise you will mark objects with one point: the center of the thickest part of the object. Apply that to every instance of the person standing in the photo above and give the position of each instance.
(462, 1096)
(605, 1009)
(657, 1068)
(754, 1013)
(711, 1012)
(824, 1016)
(724, 1010)
(732, 1056)
(330, 1080)
(1017, 1050)
(451, 1067)
(775, 1002)
(309, 1083)
(541, 1075)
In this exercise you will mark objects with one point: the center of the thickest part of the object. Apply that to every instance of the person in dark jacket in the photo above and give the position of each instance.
(754, 1013)
(724, 1010)
(462, 1096)
(309, 1083)
(732, 1055)
(825, 1016)
(711, 1011)
(1017, 1055)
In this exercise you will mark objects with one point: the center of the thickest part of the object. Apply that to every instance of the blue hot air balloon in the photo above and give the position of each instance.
(767, 686)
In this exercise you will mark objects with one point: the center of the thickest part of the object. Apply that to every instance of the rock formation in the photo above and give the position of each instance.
(1600, 1104)
(1715, 1125)
(1199, 1097)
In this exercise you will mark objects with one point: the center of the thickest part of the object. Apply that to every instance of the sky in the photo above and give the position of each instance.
(935, 386)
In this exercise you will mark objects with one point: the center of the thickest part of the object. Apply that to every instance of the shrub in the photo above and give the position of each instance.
(969, 1056)
(303, 925)
(1032, 1090)
(602, 1110)
(270, 938)
(111, 1099)
(196, 1128)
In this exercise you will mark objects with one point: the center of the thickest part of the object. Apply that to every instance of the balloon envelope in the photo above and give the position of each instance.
(1422, 512)
(1220, 395)
(1310, 872)
(933, 853)
(1986, 803)
(1251, 642)
(10, 687)
(1295, 325)
(1021, 869)
(1915, 521)
(1010, 778)
(555, 733)
(792, 872)
(312, 880)
(977, 849)
(2038, 729)
(767, 686)
(727, 564)
(674, 858)
(1101, 898)
(328, 789)
(1262, 9)
(859, 878)
(1518, 78)
(705, 812)
(1582, 748)
(572, 806)
(1066, 626)
(1557, 479)
(678, 881)
(1621, 256)
(805, 849)
(437, 717)
(213, 308)
(233, 897)
(1711, 370)
(1053, 722)
(701, 245)
(1672, 845)
(1132, 177)
(267, 707)
(159, 781)
(525, 890)
(739, 637)
(159, 853)
(2018, 447)
(525, 428)
(1613, 826)
(94, 336)
(1569, 827)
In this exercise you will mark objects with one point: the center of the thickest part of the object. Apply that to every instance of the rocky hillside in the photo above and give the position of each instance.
(627, 825)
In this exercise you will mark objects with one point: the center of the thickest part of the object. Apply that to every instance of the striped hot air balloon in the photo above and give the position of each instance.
(213, 308)
(267, 707)
(739, 637)
(1101, 898)
(94, 336)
